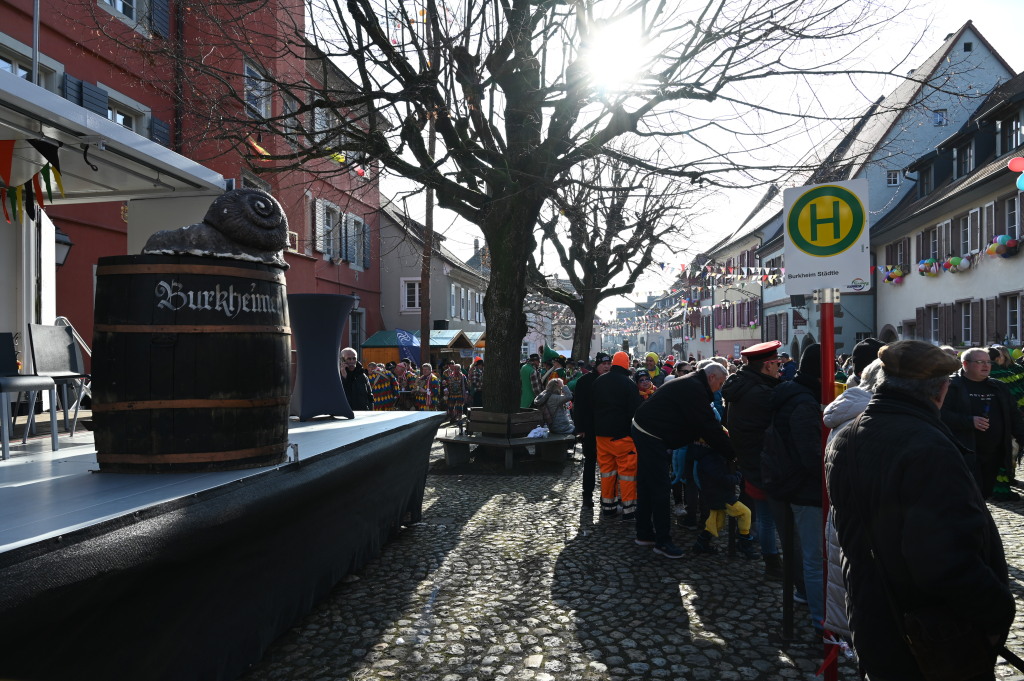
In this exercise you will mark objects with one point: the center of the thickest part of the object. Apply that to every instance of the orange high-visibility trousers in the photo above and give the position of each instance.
(617, 460)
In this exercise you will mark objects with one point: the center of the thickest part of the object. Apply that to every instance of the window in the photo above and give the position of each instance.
(451, 302)
(250, 181)
(933, 323)
(1013, 318)
(968, 46)
(257, 92)
(292, 124)
(1011, 228)
(1009, 133)
(480, 307)
(925, 185)
(462, 303)
(355, 330)
(964, 159)
(410, 289)
(892, 178)
(969, 233)
(122, 116)
(125, 7)
(939, 117)
(333, 224)
(19, 65)
(965, 322)
(930, 244)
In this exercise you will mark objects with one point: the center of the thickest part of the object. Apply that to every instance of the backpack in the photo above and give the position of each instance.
(782, 474)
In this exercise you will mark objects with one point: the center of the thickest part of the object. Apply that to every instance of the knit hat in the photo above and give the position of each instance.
(864, 353)
(642, 374)
(602, 357)
(810, 362)
(916, 360)
(652, 355)
(620, 359)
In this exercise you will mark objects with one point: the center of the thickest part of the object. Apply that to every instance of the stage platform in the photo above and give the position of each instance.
(192, 575)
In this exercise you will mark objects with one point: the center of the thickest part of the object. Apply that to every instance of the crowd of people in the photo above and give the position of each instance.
(403, 386)
(920, 438)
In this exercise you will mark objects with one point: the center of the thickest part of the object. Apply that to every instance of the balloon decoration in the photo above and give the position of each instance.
(955, 264)
(1016, 165)
(1016, 353)
(929, 267)
(894, 274)
(1003, 246)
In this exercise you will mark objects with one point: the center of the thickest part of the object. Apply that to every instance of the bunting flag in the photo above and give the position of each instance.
(6, 160)
(3, 200)
(48, 150)
(37, 190)
(29, 205)
(256, 147)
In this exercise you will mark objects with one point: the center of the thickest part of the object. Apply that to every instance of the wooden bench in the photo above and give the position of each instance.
(457, 448)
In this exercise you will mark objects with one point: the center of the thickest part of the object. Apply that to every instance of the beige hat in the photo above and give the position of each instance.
(917, 360)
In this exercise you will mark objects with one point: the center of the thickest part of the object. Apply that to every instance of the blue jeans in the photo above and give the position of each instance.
(765, 527)
(808, 523)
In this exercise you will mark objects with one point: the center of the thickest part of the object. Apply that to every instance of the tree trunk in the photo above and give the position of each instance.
(584, 330)
(508, 228)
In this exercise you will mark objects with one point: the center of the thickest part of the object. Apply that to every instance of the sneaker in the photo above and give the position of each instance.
(588, 502)
(799, 598)
(644, 542)
(609, 512)
(669, 550)
(679, 509)
(629, 516)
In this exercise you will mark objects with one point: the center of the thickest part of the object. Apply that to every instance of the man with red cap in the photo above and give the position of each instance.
(748, 395)
(615, 399)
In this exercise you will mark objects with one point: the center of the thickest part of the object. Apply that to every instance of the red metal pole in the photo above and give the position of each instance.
(828, 372)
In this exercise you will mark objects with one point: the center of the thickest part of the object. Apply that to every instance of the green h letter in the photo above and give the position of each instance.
(834, 220)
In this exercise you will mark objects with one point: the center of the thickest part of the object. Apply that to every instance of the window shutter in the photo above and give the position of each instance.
(367, 246)
(999, 313)
(988, 224)
(159, 131)
(352, 238)
(990, 320)
(947, 323)
(919, 246)
(95, 99)
(318, 225)
(346, 237)
(921, 325)
(160, 18)
(977, 328)
(770, 325)
(943, 239)
(72, 89)
(888, 255)
(451, 301)
(783, 328)
(975, 229)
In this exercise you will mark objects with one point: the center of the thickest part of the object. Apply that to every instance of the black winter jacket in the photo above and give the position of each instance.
(357, 389)
(614, 398)
(956, 414)
(931, 530)
(748, 396)
(680, 412)
(796, 420)
(582, 403)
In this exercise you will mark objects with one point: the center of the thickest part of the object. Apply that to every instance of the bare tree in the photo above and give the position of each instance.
(606, 223)
(519, 96)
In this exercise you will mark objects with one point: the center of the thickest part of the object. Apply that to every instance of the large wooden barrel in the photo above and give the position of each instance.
(190, 366)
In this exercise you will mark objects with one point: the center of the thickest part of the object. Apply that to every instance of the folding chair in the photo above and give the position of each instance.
(57, 355)
(13, 383)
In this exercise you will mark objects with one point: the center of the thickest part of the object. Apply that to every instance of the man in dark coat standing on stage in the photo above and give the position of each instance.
(983, 417)
(912, 524)
(676, 415)
(583, 417)
(748, 396)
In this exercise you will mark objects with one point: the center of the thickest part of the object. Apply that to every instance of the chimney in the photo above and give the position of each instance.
(476, 246)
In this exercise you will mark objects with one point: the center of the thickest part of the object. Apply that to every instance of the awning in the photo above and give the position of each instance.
(127, 165)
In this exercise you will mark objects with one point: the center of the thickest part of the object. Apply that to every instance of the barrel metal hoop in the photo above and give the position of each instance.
(143, 405)
(191, 457)
(224, 270)
(190, 328)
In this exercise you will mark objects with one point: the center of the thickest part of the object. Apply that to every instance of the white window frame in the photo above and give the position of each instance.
(892, 178)
(963, 163)
(451, 301)
(1011, 221)
(19, 55)
(930, 244)
(1013, 317)
(933, 323)
(1009, 140)
(940, 117)
(258, 91)
(965, 323)
(403, 287)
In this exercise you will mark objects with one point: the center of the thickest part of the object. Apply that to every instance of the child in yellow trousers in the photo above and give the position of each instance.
(718, 484)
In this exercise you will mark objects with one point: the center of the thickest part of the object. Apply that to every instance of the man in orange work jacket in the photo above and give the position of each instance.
(615, 399)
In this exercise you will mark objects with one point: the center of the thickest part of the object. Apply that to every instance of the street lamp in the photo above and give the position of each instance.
(62, 246)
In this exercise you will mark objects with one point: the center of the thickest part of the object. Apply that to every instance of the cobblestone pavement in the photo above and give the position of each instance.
(507, 578)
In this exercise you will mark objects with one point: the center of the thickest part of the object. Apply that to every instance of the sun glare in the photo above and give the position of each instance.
(615, 56)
